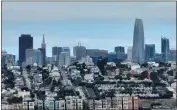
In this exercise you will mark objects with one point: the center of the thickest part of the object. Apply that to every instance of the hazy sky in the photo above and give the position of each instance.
(101, 25)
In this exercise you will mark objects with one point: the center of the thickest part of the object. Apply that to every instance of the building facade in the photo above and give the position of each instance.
(55, 54)
(8, 59)
(80, 52)
(138, 42)
(96, 53)
(33, 56)
(25, 42)
(43, 52)
(64, 59)
(149, 52)
(129, 53)
(120, 51)
(165, 49)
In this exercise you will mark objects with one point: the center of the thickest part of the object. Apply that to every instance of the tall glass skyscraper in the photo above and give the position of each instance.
(165, 49)
(25, 42)
(138, 42)
(149, 52)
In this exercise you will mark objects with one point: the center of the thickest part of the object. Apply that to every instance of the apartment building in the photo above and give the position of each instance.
(115, 103)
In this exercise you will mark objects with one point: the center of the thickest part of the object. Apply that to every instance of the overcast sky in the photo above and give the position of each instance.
(101, 25)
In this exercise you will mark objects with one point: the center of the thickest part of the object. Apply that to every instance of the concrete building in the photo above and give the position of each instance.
(8, 59)
(33, 56)
(96, 53)
(55, 53)
(120, 52)
(64, 59)
(165, 49)
(80, 52)
(43, 51)
(149, 52)
(138, 42)
(73, 59)
(129, 54)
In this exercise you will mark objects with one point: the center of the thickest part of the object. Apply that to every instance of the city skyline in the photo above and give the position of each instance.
(80, 24)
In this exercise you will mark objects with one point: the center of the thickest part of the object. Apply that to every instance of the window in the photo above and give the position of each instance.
(74, 101)
(68, 102)
(25, 103)
(31, 103)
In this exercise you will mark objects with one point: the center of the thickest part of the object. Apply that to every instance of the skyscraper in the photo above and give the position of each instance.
(25, 42)
(64, 59)
(165, 49)
(96, 52)
(55, 53)
(138, 42)
(43, 46)
(129, 54)
(120, 52)
(149, 52)
(80, 52)
(33, 56)
(67, 50)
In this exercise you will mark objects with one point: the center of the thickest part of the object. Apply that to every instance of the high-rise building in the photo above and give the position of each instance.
(73, 59)
(172, 56)
(74, 50)
(96, 52)
(64, 59)
(43, 46)
(165, 49)
(112, 57)
(43, 59)
(25, 42)
(129, 53)
(33, 56)
(158, 57)
(149, 52)
(138, 42)
(55, 53)
(8, 59)
(120, 51)
(80, 52)
(67, 50)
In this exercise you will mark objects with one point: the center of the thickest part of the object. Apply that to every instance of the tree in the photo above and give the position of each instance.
(28, 68)
(144, 65)
(170, 72)
(154, 76)
(14, 100)
(129, 76)
(144, 75)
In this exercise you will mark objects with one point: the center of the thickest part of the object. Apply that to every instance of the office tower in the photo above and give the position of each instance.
(43, 60)
(43, 46)
(96, 52)
(73, 59)
(67, 50)
(55, 54)
(25, 42)
(120, 52)
(138, 42)
(64, 59)
(33, 56)
(129, 54)
(165, 49)
(149, 52)
(74, 50)
(112, 57)
(80, 52)
(158, 57)
(8, 59)
(172, 56)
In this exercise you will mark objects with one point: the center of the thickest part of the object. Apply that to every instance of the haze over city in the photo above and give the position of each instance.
(99, 25)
